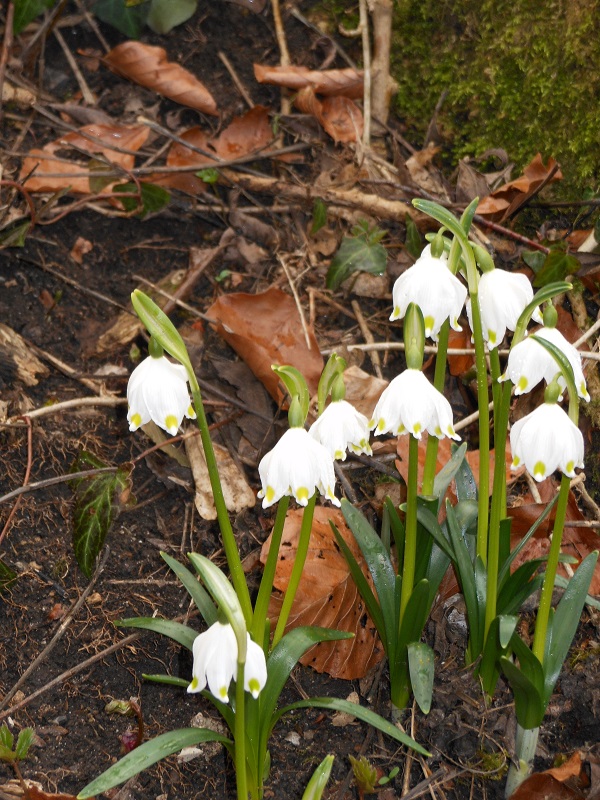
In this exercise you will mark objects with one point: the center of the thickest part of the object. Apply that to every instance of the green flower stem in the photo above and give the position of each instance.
(525, 746)
(543, 615)
(410, 527)
(261, 607)
(240, 735)
(297, 569)
(438, 381)
(498, 505)
(230, 545)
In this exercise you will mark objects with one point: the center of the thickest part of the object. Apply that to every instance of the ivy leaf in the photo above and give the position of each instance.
(97, 505)
(153, 198)
(534, 259)
(557, 265)
(128, 20)
(27, 10)
(164, 15)
(356, 254)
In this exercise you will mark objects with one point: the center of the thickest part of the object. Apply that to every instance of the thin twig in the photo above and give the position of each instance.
(6, 44)
(366, 51)
(297, 300)
(86, 92)
(236, 79)
(6, 527)
(59, 633)
(66, 405)
(368, 337)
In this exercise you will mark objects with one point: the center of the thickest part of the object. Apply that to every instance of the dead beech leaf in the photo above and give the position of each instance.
(363, 390)
(560, 783)
(508, 198)
(460, 340)
(266, 329)
(339, 116)
(148, 66)
(328, 82)
(236, 492)
(327, 596)
(51, 172)
(424, 174)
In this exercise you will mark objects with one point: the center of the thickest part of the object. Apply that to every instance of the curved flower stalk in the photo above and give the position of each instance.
(503, 296)
(546, 440)
(158, 391)
(215, 663)
(342, 427)
(529, 363)
(410, 404)
(297, 466)
(431, 285)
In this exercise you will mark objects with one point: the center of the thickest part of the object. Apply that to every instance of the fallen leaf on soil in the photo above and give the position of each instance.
(339, 116)
(81, 248)
(363, 390)
(460, 340)
(508, 198)
(148, 66)
(327, 596)
(266, 329)
(424, 174)
(339, 82)
(50, 171)
(236, 492)
(560, 783)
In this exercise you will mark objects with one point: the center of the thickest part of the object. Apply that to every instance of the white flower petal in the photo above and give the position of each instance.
(297, 466)
(215, 660)
(546, 440)
(157, 391)
(503, 297)
(341, 427)
(438, 293)
(410, 404)
(255, 669)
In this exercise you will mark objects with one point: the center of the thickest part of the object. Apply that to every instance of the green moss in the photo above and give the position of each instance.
(521, 75)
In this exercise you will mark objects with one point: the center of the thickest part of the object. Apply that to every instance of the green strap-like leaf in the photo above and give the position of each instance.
(316, 785)
(147, 754)
(421, 667)
(197, 592)
(449, 471)
(529, 705)
(166, 627)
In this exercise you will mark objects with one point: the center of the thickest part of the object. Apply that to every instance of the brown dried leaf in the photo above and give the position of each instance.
(266, 329)
(327, 596)
(363, 390)
(148, 66)
(236, 492)
(508, 198)
(52, 172)
(339, 116)
(340, 82)
(80, 249)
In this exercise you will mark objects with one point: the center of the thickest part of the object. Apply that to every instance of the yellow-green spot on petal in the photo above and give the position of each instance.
(395, 312)
(429, 323)
(515, 462)
(381, 425)
(136, 419)
(270, 494)
(171, 422)
(451, 431)
(438, 431)
(302, 493)
(569, 466)
(492, 337)
(522, 383)
(539, 469)
(339, 454)
(401, 429)
(191, 414)
(223, 693)
(194, 684)
(417, 427)
(254, 687)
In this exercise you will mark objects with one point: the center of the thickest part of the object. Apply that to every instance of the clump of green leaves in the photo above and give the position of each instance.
(360, 252)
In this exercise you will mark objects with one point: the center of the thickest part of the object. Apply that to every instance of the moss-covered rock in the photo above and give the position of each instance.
(520, 74)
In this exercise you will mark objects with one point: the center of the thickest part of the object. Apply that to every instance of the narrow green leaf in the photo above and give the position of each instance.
(166, 627)
(222, 591)
(147, 754)
(197, 592)
(15, 236)
(316, 785)
(429, 521)
(529, 706)
(27, 10)
(412, 241)
(505, 570)
(449, 471)
(164, 15)
(319, 214)
(169, 680)
(421, 667)
(160, 326)
(355, 255)
(466, 577)
(95, 508)
(361, 713)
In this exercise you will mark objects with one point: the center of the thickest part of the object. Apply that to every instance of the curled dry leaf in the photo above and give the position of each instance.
(50, 171)
(148, 66)
(508, 198)
(266, 329)
(339, 116)
(327, 596)
(328, 82)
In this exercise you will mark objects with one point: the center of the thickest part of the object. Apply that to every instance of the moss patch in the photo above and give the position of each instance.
(520, 74)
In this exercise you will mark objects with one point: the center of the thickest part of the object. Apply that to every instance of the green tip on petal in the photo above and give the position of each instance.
(171, 423)
(339, 455)
(381, 425)
(395, 313)
(515, 462)
(417, 428)
(302, 494)
(193, 685)
(522, 383)
(539, 469)
(492, 337)
(270, 494)
(223, 693)
(254, 687)
(569, 467)
(190, 412)
(438, 431)
(136, 420)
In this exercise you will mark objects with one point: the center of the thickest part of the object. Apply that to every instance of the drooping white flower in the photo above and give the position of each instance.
(341, 427)
(503, 297)
(438, 293)
(529, 362)
(215, 662)
(546, 440)
(410, 404)
(157, 391)
(297, 466)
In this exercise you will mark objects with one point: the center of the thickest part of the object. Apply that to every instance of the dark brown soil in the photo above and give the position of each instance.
(76, 738)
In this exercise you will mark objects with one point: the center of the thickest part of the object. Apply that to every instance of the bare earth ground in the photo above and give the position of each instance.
(76, 738)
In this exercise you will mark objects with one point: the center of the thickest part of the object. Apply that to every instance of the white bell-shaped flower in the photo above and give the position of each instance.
(341, 427)
(410, 404)
(438, 293)
(546, 440)
(529, 362)
(215, 663)
(503, 296)
(297, 466)
(157, 391)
